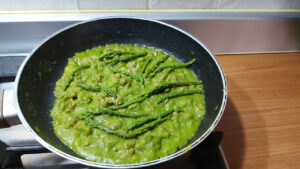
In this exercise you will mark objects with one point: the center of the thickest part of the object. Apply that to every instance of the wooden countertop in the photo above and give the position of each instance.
(261, 122)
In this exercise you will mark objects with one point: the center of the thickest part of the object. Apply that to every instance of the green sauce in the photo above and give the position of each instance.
(122, 104)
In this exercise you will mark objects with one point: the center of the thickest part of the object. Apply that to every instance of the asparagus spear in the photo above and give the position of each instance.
(69, 79)
(135, 100)
(104, 111)
(142, 121)
(177, 94)
(155, 65)
(172, 67)
(132, 134)
(126, 57)
(145, 66)
(143, 70)
(148, 126)
(167, 85)
(111, 54)
(152, 91)
(123, 73)
(95, 124)
(97, 89)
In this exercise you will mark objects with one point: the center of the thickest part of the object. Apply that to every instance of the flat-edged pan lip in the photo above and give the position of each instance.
(136, 165)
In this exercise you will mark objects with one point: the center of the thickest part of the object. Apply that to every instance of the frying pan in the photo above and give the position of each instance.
(36, 78)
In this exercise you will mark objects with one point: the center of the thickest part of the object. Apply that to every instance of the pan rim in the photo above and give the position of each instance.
(136, 165)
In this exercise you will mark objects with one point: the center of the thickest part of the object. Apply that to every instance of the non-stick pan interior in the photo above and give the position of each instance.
(46, 64)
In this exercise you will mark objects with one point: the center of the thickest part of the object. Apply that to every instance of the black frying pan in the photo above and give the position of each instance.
(38, 74)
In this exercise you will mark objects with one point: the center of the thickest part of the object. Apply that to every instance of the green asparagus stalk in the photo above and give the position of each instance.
(92, 111)
(95, 124)
(172, 67)
(145, 66)
(141, 74)
(123, 73)
(167, 85)
(97, 89)
(153, 91)
(132, 134)
(177, 94)
(69, 79)
(162, 59)
(148, 126)
(133, 101)
(144, 120)
(126, 57)
(110, 54)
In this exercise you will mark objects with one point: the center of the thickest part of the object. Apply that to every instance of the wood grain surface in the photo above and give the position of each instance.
(261, 122)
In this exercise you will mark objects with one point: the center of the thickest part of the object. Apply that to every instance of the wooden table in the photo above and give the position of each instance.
(261, 122)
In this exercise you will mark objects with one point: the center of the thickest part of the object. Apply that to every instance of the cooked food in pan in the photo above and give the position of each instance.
(124, 104)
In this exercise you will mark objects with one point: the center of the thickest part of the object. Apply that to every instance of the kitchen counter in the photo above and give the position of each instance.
(261, 122)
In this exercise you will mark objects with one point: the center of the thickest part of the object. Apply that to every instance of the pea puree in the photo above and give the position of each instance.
(122, 104)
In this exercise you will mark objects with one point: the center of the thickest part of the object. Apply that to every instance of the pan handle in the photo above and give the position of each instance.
(8, 113)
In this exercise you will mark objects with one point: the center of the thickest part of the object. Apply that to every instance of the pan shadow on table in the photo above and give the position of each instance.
(233, 142)
(240, 112)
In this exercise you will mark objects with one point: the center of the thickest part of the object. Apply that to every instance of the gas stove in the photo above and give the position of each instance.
(18, 149)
